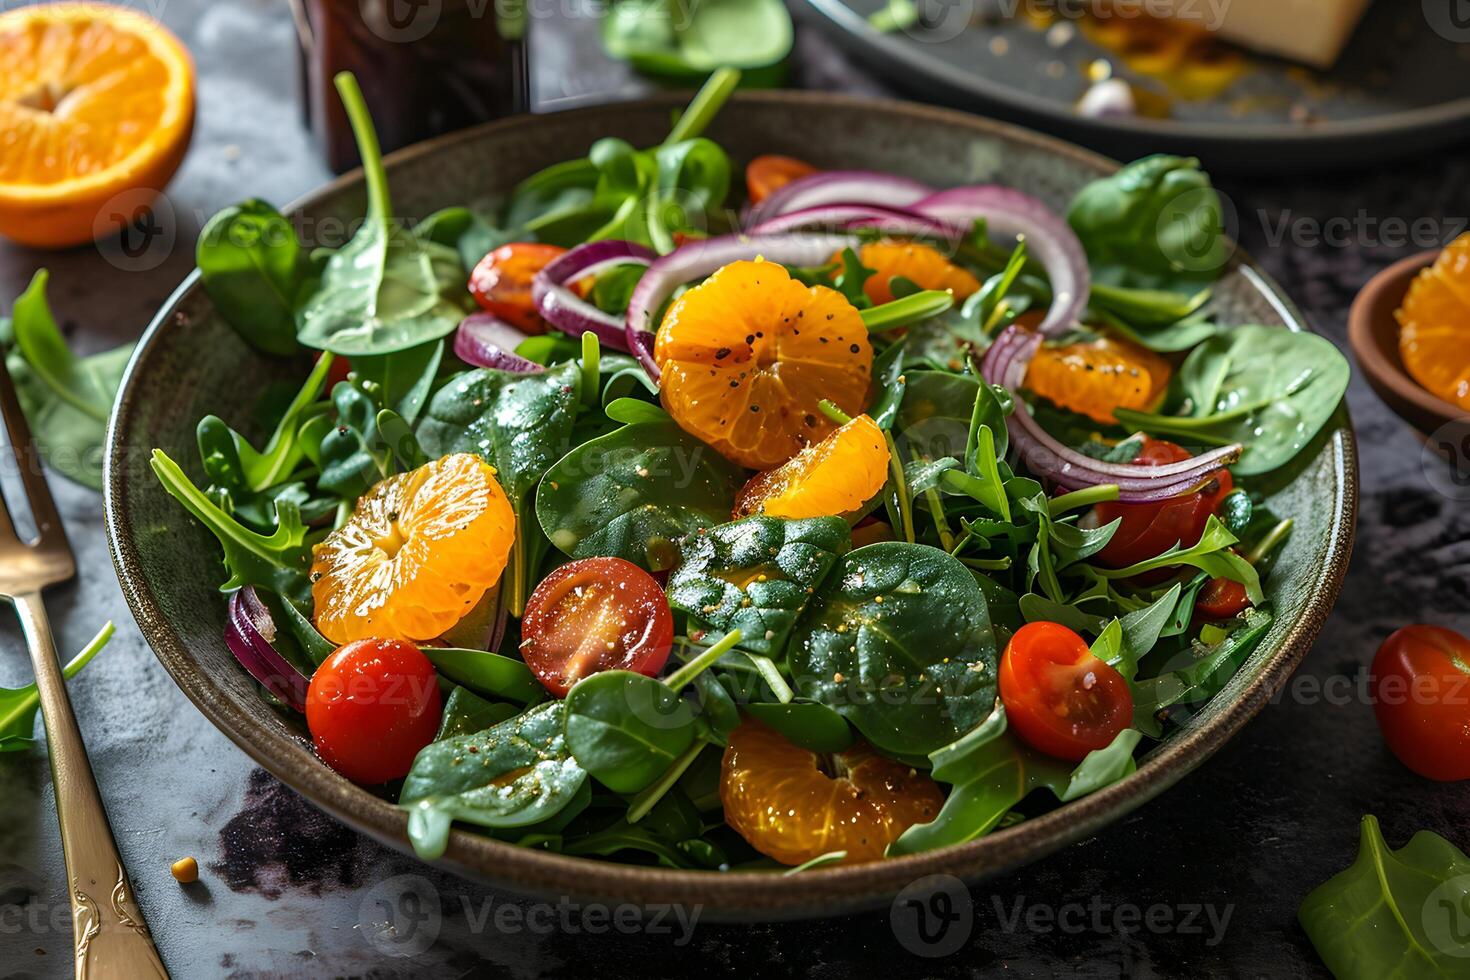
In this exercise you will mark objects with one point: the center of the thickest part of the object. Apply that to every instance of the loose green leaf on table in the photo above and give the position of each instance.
(18, 705)
(253, 269)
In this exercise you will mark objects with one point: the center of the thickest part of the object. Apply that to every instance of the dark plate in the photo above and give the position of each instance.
(1401, 86)
(189, 364)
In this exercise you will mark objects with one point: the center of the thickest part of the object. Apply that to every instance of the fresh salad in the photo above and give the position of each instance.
(854, 519)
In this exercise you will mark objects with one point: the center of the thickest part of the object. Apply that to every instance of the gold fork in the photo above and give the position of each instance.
(109, 936)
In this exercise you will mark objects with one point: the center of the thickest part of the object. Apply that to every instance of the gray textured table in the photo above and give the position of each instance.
(1226, 856)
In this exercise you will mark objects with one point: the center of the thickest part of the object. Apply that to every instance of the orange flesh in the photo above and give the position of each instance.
(1434, 326)
(1096, 377)
(920, 264)
(826, 479)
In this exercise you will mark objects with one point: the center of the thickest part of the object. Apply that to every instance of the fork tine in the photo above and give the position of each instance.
(43, 507)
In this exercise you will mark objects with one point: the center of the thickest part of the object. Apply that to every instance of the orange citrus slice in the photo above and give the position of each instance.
(748, 354)
(420, 550)
(922, 265)
(1097, 377)
(1434, 325)
(826, 479)
(793, 805)
(96, 102)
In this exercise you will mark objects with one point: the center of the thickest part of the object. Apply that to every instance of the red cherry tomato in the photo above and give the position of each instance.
(1421, 695)
(371, 706)
(501, 282)
(595, 614)
(339, 370)
(1149, 529)
(1059, 698)
(1221, 598)
(767, 174)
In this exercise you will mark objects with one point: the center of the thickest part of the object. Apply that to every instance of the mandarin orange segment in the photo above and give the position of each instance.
(826, 479)
(419, 552)
(1096, 377)
(95, 101)
(922, 265)
(1434, 325)
(793, 805)
(748, 354)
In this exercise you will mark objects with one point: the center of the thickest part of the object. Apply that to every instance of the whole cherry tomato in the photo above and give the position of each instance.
(1421, 695)
(768, 174)
(595, 614)
(501, 282)
(371, 706)
(1150, 529)
(1059, 698)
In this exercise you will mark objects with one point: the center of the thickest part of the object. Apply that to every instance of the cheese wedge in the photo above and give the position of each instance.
(1310, 31)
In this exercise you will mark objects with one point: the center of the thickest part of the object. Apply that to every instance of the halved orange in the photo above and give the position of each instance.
(748, 354)
(1434, 325)
(826, 479)
(420, 550)
(96, 110)
(1097, 377)
(793, 804)
(921, 264)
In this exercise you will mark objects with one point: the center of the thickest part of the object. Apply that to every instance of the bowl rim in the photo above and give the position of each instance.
(734, 895)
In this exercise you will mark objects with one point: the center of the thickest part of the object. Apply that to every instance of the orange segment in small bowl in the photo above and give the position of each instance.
(749, 354)
(921, 264)
(420, 549)
(1434, 325)
(96, 110)
(826, 479)
(1097, 377)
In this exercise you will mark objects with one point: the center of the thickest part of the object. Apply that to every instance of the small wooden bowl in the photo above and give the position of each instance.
(1373, 334)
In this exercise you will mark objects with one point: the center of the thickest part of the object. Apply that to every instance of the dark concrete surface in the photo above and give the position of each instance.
(1204, 881)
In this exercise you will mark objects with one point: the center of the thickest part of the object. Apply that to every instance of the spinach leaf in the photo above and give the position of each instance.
(809, 724)
(1155, 224)
(386, 290)
(682, 39)
(353, 456)
(514, 774)
(756, 575)
(403, 378)
(898, 641)
(486, 673)
(1392, 913)
(252, 267)
(934, 419)
(626, 729)
(466, 713)
(634, 492)
(66, 399)
(465, 231)
(18, 705)
(1267, 388)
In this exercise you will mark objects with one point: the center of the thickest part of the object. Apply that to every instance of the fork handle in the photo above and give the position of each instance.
(109, 933)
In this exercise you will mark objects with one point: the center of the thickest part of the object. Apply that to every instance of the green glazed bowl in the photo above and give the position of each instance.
(189, 363)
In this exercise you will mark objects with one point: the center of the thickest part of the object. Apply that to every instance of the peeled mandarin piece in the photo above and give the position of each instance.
(1097, 377)
(418, 553)
(826, 479)
(1434, 326)
(793, 805)
(749, 354)
(921, 264)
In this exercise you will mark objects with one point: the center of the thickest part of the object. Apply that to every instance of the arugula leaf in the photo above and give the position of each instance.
(18, 705)
(386, 290)
(352, 453)
(1393, 913)
(404, 379)
(514, 774)
(756, 575)
(898, 641)
(1268, 388)
(1208, 670)
(851, 278)
(66, 399)
(252, 267)
(1211, 555)
(634, 492)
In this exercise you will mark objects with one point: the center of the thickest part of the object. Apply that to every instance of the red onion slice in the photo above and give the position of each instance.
(894, 221)
(485, 340)
(569, 312)
(1046, 457)
(696, 260)
(1010, 213)
(839, 186)
(250, 633)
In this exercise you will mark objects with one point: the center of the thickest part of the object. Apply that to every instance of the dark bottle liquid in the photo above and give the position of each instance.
(426, 67)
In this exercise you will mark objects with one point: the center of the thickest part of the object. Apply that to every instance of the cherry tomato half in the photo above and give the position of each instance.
(1058, 697)
(767, 174)
(371, 706)
(1221, 598)
(1421, 695)
(1149, 529)
(501, 282)
(595, 614)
